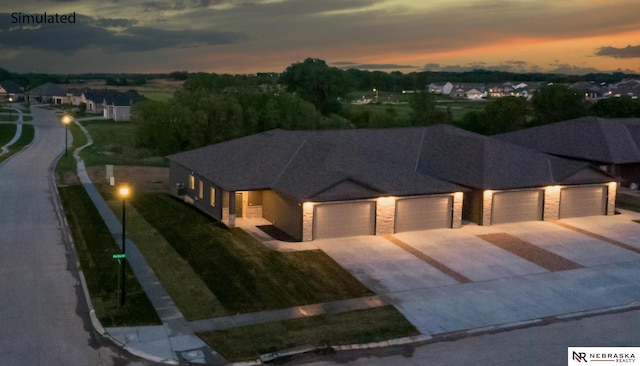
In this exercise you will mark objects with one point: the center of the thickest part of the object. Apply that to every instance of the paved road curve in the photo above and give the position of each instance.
(43, 315)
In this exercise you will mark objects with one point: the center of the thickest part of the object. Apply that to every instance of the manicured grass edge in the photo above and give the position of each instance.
(353, 327)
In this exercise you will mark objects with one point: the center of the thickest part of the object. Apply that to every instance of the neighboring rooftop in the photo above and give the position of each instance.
(600, 140)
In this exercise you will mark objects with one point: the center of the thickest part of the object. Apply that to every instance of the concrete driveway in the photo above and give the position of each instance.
(578, 247)
(468, 255)
(382, 266)
(503, 288)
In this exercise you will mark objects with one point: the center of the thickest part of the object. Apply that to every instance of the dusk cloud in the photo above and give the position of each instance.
(626, 52)
(97, 32)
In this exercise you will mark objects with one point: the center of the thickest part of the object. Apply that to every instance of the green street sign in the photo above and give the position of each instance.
(118, 256)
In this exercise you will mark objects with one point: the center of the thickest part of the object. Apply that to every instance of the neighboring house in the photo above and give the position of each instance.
(444, 89)
(93, 99)
(471, 94)
(117, 105)
(46, 93)
(10, 89)
(322, 184)
(612, 144)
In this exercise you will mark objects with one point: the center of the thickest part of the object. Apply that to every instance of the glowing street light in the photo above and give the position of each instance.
(376, 91)
(66, 120)
(10, 109)
(124, 193)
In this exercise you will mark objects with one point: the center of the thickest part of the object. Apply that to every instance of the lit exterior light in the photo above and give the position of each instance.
(124, 192)
(65, 121)
(386, 200)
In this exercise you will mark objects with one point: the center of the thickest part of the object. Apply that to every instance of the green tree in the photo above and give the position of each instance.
(555, 103)
(623, 107)
(317, 83)
(424, 110)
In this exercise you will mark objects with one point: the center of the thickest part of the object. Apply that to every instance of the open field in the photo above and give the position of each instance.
(155, 89)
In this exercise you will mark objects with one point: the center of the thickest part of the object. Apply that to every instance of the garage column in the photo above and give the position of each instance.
(385, 215)
(551, 203)
(307, 221)
(487, 203)
(232, 211)
(456, 220)
(611, 198)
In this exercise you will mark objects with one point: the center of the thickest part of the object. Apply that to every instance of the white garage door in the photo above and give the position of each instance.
(344, 219)
(516, 206)
(423, 213)
(583, 201)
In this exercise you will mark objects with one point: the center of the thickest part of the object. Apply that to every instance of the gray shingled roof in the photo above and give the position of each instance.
(599, 140)
(350, 164)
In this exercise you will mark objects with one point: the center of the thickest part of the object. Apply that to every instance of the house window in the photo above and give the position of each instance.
(212, 196)
(200, 189)
(192, 182)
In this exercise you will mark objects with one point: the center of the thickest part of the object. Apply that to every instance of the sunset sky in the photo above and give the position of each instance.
(248, 36)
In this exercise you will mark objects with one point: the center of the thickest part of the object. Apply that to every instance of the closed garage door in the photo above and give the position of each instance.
(344, 219)
(423, 213)
(582, 201)
(516, 206)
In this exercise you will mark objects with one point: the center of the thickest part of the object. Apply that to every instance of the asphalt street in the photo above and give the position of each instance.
(43, 313)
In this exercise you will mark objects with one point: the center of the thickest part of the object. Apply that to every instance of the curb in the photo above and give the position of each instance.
(428, 339)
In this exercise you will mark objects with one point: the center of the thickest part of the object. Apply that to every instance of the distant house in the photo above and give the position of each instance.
(117, 105)
(471, 94)
(444, 89)
(46, 93)
(10, 89)
(324, 184)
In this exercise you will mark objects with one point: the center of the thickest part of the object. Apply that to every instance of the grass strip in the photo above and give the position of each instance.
(184, 286)
(627, 202)
(353, 327)
(530, 252)
(28, 133)
(95, 247)
(7, 131)
(242, 273)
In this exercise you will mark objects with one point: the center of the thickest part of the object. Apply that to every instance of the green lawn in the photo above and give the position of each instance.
(95, 246)
(628, 202)
(114, 143)
(244, 275)
(360, 326)
(7, 131)
(28, 133)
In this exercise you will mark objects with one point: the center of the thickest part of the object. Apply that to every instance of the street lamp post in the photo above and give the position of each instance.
(10, 109)
(376, 91)
(66, 120)
(124, 194)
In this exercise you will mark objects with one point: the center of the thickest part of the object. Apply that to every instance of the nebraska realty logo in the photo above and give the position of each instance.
(582, 355)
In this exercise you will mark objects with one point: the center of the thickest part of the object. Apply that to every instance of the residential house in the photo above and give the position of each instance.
(46, 93)
(117, 105)
(609, 143)
(444, 89)
(10, 89)
(322, 184)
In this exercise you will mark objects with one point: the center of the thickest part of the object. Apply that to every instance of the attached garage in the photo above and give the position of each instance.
(423, 213)
(333, 220)
(583, 201)
(516, 206)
